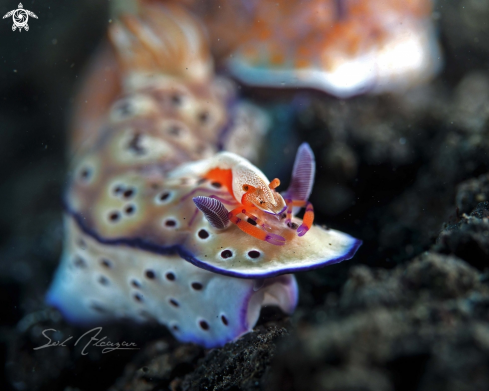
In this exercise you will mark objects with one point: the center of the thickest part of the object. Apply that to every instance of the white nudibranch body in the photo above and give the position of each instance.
(155, 229)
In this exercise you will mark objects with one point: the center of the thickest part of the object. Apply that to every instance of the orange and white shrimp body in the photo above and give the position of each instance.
(249, 187)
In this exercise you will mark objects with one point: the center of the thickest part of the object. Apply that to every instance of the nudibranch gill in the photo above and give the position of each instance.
(159, 224)
(343, 47)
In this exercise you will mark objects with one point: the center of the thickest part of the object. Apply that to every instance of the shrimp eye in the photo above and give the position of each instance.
(275, 183)
(245, 187)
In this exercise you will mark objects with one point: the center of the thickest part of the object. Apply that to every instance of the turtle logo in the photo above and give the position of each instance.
(20, 17)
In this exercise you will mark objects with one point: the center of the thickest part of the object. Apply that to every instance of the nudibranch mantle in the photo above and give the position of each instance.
(165, 220)
(96, 283)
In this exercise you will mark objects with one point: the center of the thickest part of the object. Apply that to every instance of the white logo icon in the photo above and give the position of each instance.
(20, 17)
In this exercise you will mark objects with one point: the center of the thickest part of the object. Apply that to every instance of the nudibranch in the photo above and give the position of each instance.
(343, 47)
(159, 223)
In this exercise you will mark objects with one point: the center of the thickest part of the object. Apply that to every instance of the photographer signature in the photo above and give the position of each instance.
(106, 345)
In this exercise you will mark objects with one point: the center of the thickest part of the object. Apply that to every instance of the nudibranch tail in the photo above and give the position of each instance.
(342, 47)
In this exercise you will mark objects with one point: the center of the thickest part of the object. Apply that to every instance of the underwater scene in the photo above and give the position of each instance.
(244, 195)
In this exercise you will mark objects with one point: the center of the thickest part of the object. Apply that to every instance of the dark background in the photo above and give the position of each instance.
(39, 71)
(392, 170)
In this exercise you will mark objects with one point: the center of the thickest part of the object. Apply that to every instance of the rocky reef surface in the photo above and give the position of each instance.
(406, 174)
